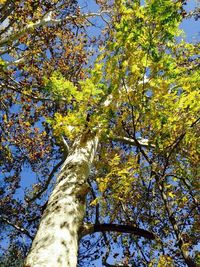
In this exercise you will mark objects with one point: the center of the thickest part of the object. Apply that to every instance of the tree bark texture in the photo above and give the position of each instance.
(56, 241)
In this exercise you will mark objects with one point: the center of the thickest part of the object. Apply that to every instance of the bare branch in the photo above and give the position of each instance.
(142, 141)
(93, 228)
(97, 205)
(17, 227)
(38, 194)
(194, 13)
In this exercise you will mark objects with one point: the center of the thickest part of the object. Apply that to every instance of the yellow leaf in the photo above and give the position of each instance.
(171, 194)
(94, 202)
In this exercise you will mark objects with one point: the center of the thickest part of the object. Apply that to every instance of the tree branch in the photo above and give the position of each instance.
(94, 197)
(194, 13)
(6, 10)
(17, 227)
(38, 194)
(180, 241)
(142, 141)
(118, 265)
(93, 228)
(17, 90)
(44, 21)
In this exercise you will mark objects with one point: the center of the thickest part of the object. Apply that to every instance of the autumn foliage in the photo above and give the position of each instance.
(137, 88)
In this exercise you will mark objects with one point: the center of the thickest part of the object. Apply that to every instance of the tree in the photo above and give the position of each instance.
(120, 133)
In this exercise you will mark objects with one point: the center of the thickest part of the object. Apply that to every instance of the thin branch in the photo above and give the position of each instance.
(118, 265)
(180, 241)
(133, 122)
(188, 186)
(195, 200)
(194, 13)
(38, 194)
(15, 62)
(17, 90)
(176, 144)
(97, 206)
(17, 227)
(142, 253)
(108, 249)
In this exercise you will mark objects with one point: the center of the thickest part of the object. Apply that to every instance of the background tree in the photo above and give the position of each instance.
(128, 127)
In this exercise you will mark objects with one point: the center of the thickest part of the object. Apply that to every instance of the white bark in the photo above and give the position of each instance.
(56, 241)
(47, 19)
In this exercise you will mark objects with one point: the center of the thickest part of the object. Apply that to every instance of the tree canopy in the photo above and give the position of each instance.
(135, 87)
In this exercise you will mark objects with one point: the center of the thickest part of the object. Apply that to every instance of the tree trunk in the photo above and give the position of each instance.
(56, 241)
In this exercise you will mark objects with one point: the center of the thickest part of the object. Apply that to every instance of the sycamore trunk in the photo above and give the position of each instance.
(56, 241)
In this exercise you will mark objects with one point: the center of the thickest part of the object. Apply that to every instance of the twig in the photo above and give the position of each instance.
(38, 194)
(17, 227)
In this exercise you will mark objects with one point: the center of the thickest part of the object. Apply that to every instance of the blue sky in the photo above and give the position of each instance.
(190, 26)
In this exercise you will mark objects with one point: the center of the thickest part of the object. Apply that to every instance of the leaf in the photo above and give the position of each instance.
(94, 202)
